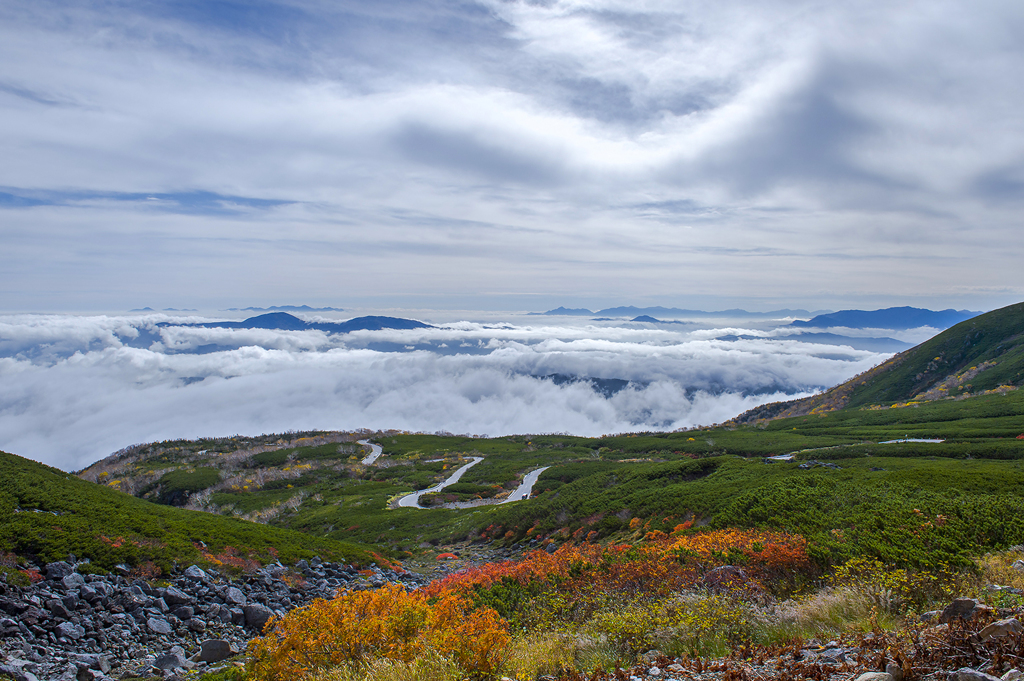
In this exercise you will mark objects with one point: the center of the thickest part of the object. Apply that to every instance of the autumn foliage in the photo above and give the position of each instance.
(392, 623)
(465, 616)
(655, 568)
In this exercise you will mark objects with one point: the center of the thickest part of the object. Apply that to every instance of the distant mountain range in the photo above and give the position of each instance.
(283, 321)
(286, 308)
(658, 311)
(889, 318)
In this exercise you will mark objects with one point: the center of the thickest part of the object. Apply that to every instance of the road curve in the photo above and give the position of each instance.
(413, 500)
(377, 450)
(525, 489)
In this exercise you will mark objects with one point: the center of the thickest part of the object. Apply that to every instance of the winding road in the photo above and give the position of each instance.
(524, 490)
(376, 451)
(413, 500)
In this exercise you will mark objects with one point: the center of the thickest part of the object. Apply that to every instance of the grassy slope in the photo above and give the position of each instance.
(992, 342)
(996, 336)
(61, 514)
(656, 476)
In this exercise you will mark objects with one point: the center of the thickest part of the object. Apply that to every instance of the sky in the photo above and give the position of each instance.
(510, 155)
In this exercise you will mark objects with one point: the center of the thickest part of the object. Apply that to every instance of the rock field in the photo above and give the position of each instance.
(76, 627)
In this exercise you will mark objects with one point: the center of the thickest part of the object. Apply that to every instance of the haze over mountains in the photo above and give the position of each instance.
(888, 318)
(659, 311)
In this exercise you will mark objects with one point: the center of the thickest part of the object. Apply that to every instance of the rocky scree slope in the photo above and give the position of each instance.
(75, 627)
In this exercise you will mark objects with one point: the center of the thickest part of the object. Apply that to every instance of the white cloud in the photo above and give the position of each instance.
(97, 394)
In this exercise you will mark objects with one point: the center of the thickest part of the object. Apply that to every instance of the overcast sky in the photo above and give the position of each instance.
(511, 155)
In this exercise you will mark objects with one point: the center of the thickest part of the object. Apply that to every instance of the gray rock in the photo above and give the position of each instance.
(1000, 629)
(59, 570)
(875, 676)
(17, 673)
(1012, 675)
(172, 660)
(174, 596)
(70, 630)
(58, 609)
(960, 608)
(256, 616)
(73, 582)
(234, 596)
(968, 674)
(216, 650)
(196, 573)
(196, 625)
(183, 612)
(89, 661)
(159, 626)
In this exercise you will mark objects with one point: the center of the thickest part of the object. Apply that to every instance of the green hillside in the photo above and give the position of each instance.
(711, 476)
(982, 354)
(46, 514)
(931, 501)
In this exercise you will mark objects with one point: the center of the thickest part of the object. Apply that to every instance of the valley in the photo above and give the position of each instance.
(844, 490)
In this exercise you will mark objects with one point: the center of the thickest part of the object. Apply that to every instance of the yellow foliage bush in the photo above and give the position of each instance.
(389, 623)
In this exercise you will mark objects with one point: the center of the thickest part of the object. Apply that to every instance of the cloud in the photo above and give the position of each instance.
(75, 389)
(492, 149)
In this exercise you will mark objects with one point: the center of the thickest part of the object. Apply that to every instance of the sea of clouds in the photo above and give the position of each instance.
(73, 389)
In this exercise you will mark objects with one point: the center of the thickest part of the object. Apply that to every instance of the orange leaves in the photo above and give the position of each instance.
(390, 623)
(656, 568)
(566, 585)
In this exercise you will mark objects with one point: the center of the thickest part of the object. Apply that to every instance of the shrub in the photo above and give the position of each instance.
(390, 623)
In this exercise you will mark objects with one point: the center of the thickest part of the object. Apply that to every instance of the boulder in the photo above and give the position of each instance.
(234, 596)
(963, 608)
(73, 582)
(1000, 629)
(70, 630)
(196, 573)
(256, 616)
(183, 612)
(158, 625)
(875, 676)
(216, 650)
(1012, 675)
(174, 596)
(58, 570)
(90, 661)
(17, 673)
(171, 660)
(968, 674)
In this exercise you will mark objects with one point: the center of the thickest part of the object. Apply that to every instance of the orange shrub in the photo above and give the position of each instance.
(391, 623)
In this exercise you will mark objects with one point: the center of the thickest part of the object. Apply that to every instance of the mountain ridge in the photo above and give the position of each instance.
(889, 318)
(983, 353)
